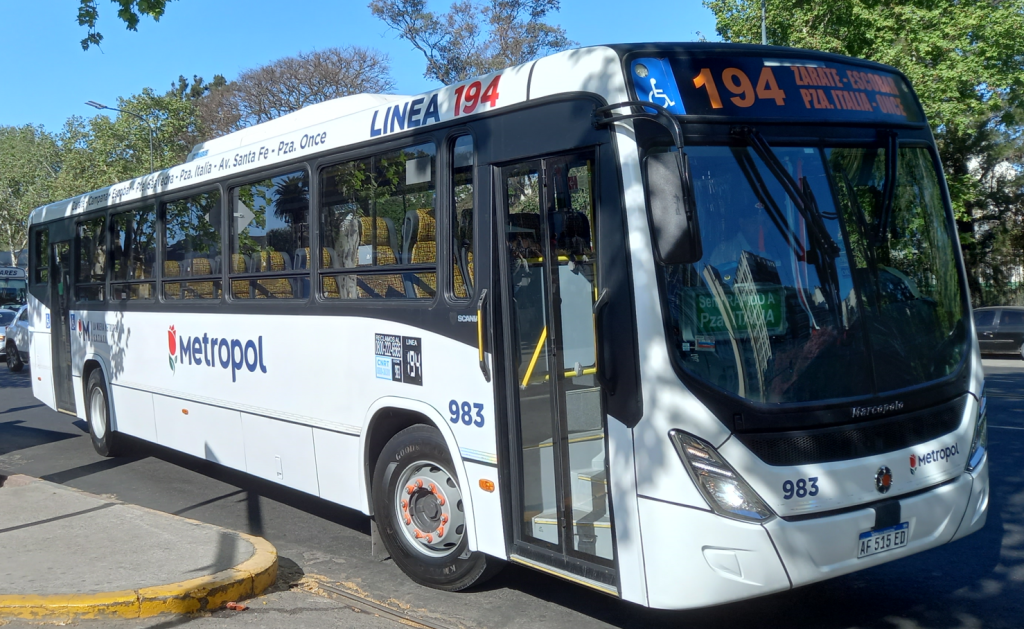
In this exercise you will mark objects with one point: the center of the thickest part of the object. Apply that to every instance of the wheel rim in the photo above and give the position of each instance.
(97, 414)
(428, 508)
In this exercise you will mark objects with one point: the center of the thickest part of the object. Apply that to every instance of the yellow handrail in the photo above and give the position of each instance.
(536, 355)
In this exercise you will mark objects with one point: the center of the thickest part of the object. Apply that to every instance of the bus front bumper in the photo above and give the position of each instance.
(702, 559)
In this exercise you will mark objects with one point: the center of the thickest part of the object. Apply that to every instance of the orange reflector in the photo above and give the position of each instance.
(184, 411)
(486, 485)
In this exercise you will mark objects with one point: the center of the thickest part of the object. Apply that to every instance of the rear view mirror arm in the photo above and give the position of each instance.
(603, 116)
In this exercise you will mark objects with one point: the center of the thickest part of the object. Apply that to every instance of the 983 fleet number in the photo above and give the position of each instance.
(470, 414)
(802, 488)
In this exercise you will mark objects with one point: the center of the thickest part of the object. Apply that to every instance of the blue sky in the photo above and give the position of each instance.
(47, 77)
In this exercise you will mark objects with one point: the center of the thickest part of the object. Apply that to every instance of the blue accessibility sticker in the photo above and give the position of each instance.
(654, 82)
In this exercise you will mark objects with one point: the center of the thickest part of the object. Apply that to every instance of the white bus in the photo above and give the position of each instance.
(686, 324)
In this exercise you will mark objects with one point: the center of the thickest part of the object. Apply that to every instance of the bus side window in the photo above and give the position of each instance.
(133, 254)
(192, 247)
(90, 274)
(378, 236)
(269, 229)
(462, 217)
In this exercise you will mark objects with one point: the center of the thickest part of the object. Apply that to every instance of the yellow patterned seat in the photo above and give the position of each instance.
(423, 250)
(200, 290)
(460, 287)
(280, 288)
(172, 290)
(239, 288)
(377, 286)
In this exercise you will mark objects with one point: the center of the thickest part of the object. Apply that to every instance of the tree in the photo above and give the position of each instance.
(470, 39)
(102, 151)
(963, 58)
(291, 83)
(130, 12)
(29, 167)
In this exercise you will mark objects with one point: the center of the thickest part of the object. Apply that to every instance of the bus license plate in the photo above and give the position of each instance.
(874, 542)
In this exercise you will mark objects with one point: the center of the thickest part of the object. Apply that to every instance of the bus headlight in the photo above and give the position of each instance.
(726, 493)
(980, 444)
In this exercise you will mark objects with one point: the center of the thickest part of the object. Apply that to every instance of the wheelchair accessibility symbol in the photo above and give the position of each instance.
(656, 92)
(654, 82)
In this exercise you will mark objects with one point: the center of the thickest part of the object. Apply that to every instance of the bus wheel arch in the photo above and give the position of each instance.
(389, 416)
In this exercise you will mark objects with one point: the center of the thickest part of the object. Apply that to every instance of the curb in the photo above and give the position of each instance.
(246, 580)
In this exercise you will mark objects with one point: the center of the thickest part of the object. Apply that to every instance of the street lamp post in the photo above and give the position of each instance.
(93, 103)
(764, 30)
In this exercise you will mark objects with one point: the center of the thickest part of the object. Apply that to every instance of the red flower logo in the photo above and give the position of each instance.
(172, 345)
(913, 463)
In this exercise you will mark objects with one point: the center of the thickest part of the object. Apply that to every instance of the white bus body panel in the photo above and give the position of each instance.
(303, 422)
(40, 352)
(695, 558)
(281, 452)
(133, 412)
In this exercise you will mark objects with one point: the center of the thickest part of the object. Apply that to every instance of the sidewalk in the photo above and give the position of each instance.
(67, 554)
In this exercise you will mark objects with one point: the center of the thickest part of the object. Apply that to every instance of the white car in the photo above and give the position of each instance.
(14, 337)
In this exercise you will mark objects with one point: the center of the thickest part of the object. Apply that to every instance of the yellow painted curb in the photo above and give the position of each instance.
(249, 578)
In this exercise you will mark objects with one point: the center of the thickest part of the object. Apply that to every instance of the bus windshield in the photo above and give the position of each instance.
(13, 292)
(846, 287)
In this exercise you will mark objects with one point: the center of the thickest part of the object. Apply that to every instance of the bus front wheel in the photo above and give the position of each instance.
(418, 507)
(97, 408)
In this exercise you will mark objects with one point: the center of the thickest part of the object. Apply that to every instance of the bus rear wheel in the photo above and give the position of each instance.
(105, 441)
(417, 502)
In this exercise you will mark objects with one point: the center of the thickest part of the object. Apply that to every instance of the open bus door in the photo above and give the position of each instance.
(559, 454)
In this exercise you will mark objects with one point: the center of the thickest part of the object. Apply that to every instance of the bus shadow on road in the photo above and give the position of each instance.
(14, 436)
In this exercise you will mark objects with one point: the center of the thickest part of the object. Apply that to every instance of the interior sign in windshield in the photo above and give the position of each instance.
(774, 88)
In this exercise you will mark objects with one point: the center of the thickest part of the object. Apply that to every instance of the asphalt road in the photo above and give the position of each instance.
(975, 582)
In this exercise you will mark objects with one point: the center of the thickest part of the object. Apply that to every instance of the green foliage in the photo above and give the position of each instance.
(102, 151)
(473, 39)
(129, 11)
(965, 59)
(29, 168)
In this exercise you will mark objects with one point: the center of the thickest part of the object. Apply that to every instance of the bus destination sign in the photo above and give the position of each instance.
(810, 90)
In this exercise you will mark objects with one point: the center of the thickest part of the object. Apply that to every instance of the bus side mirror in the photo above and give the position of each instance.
(673, 213)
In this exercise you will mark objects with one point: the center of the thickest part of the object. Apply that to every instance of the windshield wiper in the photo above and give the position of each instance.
(799, 193)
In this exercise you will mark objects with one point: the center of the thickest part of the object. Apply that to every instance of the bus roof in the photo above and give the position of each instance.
(353, 120)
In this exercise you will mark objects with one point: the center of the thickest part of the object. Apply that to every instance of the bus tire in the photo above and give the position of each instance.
(418, 508)
(14, 362)
(105, 441)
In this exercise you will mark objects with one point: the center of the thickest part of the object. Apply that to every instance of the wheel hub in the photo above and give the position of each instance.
(429, 509)
(98, 414)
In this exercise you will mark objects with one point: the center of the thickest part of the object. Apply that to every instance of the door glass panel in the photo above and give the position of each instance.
(531, 354)
(61, 350)
(571, 224)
